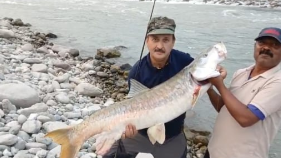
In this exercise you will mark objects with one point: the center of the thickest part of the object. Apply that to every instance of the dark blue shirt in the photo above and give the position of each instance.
(150, 76)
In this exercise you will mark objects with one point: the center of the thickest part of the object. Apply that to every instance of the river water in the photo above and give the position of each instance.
(90, 24)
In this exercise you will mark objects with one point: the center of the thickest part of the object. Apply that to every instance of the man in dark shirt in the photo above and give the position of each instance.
(160, 64)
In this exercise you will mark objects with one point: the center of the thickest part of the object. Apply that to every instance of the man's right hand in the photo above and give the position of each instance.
(130, 131)
(222, 71)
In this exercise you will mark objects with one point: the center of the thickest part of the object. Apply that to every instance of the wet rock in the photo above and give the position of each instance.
(51, 35)
(108, 52)
(17, 22)
(74, 52)
(201, 139)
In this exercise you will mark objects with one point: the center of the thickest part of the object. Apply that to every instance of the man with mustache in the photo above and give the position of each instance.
(249, 111)
(161, 63)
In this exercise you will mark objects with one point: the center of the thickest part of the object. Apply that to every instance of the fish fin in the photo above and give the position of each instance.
(156, 133)
(196, 95)
(62, 137)
(136, 88)
(151, 138)
(105, 140)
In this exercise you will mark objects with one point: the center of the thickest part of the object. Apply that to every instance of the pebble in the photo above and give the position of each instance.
(23, 135)
(35, 145)
(20, 145)
(41, 139)
(8, 139)
(46, 86)
(39, 68)
(22, 119)
(43, 118)
(32, 126)
(42, 153)
(62, 98)
(1, 113)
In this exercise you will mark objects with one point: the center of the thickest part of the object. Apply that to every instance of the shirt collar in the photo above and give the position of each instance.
(267, 73)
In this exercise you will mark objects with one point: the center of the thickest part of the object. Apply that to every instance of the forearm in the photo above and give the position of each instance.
(215, 99)
(238, 110)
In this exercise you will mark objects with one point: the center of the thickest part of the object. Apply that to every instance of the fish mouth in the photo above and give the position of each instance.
(199, 83)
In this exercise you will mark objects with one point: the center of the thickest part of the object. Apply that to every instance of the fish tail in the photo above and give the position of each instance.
(64, 138)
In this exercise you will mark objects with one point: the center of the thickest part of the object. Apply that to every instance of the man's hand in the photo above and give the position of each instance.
(218, 80)
(222, 71)
(130, 131)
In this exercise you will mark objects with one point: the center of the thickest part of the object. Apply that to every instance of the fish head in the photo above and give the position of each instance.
(205, 64)
(204, 67)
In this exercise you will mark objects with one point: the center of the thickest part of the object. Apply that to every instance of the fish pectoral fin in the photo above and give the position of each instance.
(156, 133)
(151, 138)
(136, 88)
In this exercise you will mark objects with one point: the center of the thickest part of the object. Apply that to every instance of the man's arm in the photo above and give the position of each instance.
(263, 104)
(215, 99)
(239, 111)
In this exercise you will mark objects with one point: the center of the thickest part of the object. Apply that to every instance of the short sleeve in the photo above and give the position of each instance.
(267, 100)
(186, 59)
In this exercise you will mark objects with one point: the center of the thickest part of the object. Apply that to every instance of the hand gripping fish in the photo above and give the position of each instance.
(144, 108)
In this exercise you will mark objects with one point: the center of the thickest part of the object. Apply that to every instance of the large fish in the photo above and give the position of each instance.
(144, 108)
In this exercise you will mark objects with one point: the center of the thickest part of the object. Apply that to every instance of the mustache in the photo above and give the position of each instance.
(159, 50)
(266, 52)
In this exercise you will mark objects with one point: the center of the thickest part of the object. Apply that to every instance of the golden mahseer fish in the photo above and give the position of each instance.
(144, 107)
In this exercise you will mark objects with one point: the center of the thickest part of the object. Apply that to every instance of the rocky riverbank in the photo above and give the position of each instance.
(250, 3)
(45, 86)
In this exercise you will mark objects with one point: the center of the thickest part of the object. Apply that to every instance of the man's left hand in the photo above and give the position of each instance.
(130, 131)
